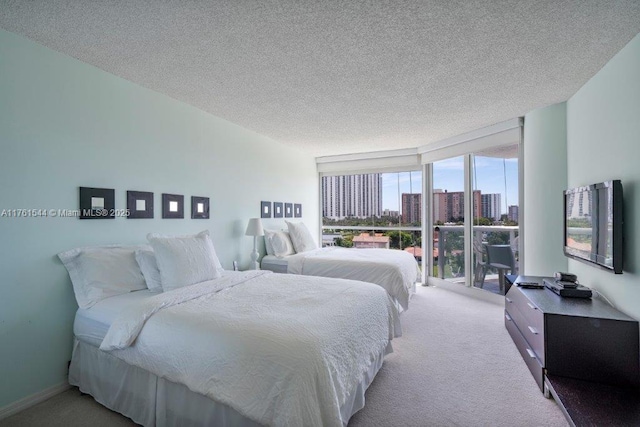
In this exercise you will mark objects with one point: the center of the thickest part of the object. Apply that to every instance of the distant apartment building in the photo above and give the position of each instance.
(411, 208)
(389, 212)
(513, 213)
(357, 196)
(449, 206)
(491, 206)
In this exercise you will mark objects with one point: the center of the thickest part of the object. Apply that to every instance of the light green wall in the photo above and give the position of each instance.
(65, 124)
(603, 143)
(545, 178)
(593, 137)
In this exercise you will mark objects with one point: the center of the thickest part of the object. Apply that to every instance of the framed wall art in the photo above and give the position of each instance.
(297, 210)
(288, 210)
(97, 203)
(140, 204)
(278, 211)
(265, 209)
(199, 207)
(172, 206)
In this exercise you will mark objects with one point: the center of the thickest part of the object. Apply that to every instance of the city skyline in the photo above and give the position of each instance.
(449, 175)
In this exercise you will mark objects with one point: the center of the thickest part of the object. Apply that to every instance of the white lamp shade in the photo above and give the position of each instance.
(254, 228)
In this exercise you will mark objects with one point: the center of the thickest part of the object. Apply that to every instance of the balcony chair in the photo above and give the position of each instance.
(499, 257)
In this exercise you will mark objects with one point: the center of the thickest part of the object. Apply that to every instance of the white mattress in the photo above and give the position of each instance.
(91, 324)
(395, 271)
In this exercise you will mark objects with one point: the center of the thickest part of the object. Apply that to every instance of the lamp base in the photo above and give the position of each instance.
(255, 265)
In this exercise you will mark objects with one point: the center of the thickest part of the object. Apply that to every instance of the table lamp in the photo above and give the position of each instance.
(254, 228)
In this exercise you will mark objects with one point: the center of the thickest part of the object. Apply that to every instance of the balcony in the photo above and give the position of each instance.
(502, 241)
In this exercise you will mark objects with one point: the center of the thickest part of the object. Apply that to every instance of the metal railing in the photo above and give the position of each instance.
(481, 234)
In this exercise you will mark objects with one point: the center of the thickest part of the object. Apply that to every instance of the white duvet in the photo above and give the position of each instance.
(396, 271)
(280, 349)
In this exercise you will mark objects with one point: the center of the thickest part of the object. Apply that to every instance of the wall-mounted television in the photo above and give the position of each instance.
(593, 225)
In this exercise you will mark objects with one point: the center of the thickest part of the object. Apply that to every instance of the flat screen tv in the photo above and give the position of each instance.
(593, 225)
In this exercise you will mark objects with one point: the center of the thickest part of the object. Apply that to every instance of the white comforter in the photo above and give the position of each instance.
(280, 349)
(396, 271)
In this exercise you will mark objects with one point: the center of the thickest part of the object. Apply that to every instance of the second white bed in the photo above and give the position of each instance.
(394, 270)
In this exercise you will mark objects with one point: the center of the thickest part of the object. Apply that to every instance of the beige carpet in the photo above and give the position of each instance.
(455, 366)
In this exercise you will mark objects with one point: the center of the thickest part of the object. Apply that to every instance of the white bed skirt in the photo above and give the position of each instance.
(154, 401)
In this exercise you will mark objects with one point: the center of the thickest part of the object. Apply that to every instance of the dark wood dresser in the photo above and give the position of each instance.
(578, 344)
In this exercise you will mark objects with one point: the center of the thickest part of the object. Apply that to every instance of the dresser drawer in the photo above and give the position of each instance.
(534, 316)
(527, 353)
(532, 334)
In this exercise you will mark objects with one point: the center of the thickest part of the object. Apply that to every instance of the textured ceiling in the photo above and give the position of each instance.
(335, 77)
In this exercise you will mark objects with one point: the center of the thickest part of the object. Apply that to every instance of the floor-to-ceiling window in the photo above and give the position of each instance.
(495, 221)
(373, 210)
(475, 206)
(448, 215)
(457, 200)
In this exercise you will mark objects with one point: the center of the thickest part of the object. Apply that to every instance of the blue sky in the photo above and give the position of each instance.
(449, 175)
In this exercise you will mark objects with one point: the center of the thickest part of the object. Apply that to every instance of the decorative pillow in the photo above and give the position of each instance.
(101, 272)
(267, 241)
(301, 237)
(281, 244)
(149, 266)
(185, 260)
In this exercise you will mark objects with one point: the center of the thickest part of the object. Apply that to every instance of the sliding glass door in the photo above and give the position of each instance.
(475, 213)
(495, 233)
(448, 218)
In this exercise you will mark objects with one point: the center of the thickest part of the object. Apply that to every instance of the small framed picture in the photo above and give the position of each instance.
(199, 207)
(278, 211)
(297, 210)
(140, 204)
(265, 209)
(288, 210)
(97, 203)
(172, 206)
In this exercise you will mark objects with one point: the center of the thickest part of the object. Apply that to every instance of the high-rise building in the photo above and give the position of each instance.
(449, 206)
(513, 213)
(391, 213)
(411, 208)
(357, 196)
(491, 206)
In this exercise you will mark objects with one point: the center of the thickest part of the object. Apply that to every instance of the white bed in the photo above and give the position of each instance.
(245, 349)
(396, 271)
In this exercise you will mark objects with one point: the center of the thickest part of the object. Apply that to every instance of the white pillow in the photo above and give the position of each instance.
(281, 244)
(185, 260)
(301, 237)
(101, 272)
(267, 242)
(149, 266)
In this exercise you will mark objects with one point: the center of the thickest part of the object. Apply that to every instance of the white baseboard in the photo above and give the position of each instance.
(34, 399)
(467, 291)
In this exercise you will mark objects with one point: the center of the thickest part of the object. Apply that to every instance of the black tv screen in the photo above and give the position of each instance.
(593, 224)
